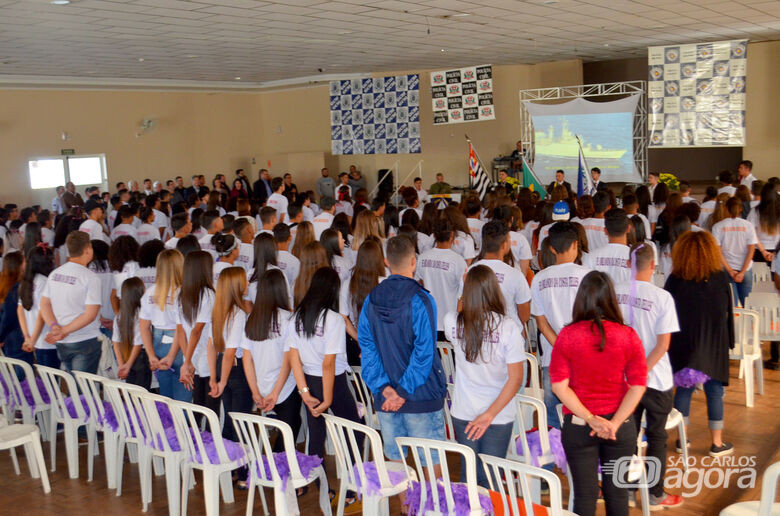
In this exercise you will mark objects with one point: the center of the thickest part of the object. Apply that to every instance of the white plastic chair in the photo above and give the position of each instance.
(146, 411)
(526, 406)
(534, 387)
(447, 354)
(449, 427)
(107, 367)
(659, 280)
(767, 304)
(762, 277)
(747, 349)
(59, 414)
(118, 394)
(364, 398)
(504, 476)
(28, 436)
(427, 447)
(253, 433)
(353, 472)
(91, 387)
(16, 400)
(767, 506)
(216, 472)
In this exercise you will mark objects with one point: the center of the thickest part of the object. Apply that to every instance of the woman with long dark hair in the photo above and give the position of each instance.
(488, 351)
(599, 372)
(312, 257)
(679, 225)
(333, 242)
(128, 344)
(318, 357)
(122, 261)
(32, 237)
(40, 263)
(699, 352)
(765, 217)
(303, 235)
(10, 331)
(193, 326)
(368, 272)
(266, 363)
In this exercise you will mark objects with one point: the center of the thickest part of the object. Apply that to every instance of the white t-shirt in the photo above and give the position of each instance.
(612, 259)
(160, 220)
(345, 207)
(233, 331)
(206, 245)
(422, 195)
(71, 288)
(330, 338)
(137, 340)
(653, 212)
(401, 213)
(47, 236)
(478, 384)
(346, 306)
(95, 230)
(147, 232)
(203, 315)
(748, 180)
(594, 230)
(171, 243)
(308, 213)
(707, 208)
(475, 228)
(553, 291)
(321, 222)
(268, 355)
(441, 271)
(528, 230)
(343, 267)
(124, 230)
(278, 202)
(31, 315)
(218, 268)
(513, 286)
(290, 265)
(727, 189)
(463, 244)
(150, 311)
(129, 270)
(646, 223)
(147, 274)
(246, 256)
(425, 242)
(654, 314)
(734, 235)
(769, 241)
(521, 249)
(106, 285)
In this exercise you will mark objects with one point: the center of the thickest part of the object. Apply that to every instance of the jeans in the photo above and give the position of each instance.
(583, 454)
(550, 400)
(47, 358)
(80, 356)
(107, 332)
(656, 405)
(714, 391)
(742, 290)
(495, 442)
(170, 385)
(429, 425)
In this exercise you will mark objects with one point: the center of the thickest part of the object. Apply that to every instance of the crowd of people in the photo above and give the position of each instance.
(261, 294)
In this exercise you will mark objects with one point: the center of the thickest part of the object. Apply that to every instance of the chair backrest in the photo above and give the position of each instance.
(186, 418)
(91, 387)
(531, 371)
(363, 396)
(447, 354)
(51, 380)
(526, 407)
(769, 489)
(767, 304)
(426, 447)
(349, 459)
(118, 394)
(531, 331)
(746, 325)
(449, 427)
(761, 273)
(145, 408)
(253, 433)
(659, 280)
(11, 389)
(504, 477)
(107, 367)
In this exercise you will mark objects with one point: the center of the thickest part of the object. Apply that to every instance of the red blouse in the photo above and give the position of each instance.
(599, 378)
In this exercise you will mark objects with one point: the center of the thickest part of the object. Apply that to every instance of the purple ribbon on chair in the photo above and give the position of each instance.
(535, 447)
(372, 478)
(306, 463)
(688, 377)
(108, 418)
(460, 495)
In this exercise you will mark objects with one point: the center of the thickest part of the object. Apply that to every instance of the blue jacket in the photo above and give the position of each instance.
(397, 337)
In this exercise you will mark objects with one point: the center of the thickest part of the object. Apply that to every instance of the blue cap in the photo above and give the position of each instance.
(560, 211)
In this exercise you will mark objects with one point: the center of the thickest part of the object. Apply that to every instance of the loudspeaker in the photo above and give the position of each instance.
(385, 185)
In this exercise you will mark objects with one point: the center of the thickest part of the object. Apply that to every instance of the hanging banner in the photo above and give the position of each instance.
(696, 94)
(463, 95)
(375, 116)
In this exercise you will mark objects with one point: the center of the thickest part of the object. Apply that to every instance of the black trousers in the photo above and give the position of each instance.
(583, 453)
(288, 411)
(656, 405)
(343, 406)
(140, 374)
(237, 397)
(200, 395)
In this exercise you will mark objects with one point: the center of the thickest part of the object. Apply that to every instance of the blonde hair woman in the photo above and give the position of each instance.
(303, 235)
(366, 225)
(158, 325)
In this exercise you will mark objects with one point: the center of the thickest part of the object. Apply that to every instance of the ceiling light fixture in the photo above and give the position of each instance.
(60, 2)
(192, 56)
(237, 78)
(461, 15)
(443, 50)
(550, 2)
(141, 59)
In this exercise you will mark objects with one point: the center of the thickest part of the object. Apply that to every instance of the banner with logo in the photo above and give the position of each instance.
(464, 95)
(375, 116)
(696, 94)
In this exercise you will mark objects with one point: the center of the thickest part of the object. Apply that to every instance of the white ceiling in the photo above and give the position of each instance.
(258, 41)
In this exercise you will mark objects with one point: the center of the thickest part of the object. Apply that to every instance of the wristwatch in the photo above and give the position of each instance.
(303, 391)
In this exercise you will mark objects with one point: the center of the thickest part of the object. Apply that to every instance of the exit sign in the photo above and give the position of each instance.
(67, 152)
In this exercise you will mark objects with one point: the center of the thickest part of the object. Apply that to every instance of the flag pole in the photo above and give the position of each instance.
(478, 158)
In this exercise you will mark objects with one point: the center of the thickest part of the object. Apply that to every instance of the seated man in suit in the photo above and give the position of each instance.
(598, 186)
(559, 174)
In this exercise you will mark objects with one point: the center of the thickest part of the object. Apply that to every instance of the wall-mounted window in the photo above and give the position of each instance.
(51, 172)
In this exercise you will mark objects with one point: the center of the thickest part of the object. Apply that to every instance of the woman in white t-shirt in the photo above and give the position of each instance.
(266, 361)
(147, 261)
(265, 256)
(128, 345)
(463, 244)
(737, 240)
(38, 266)
(680, 224)
(99, 265)
(488, 354)
(228, 322)
(122, 256)
(158, 325)
(765, 217)
(194, 306)
(333, 243)
(124, 224)
(226, 247)
(148, 230)
(318, 356)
